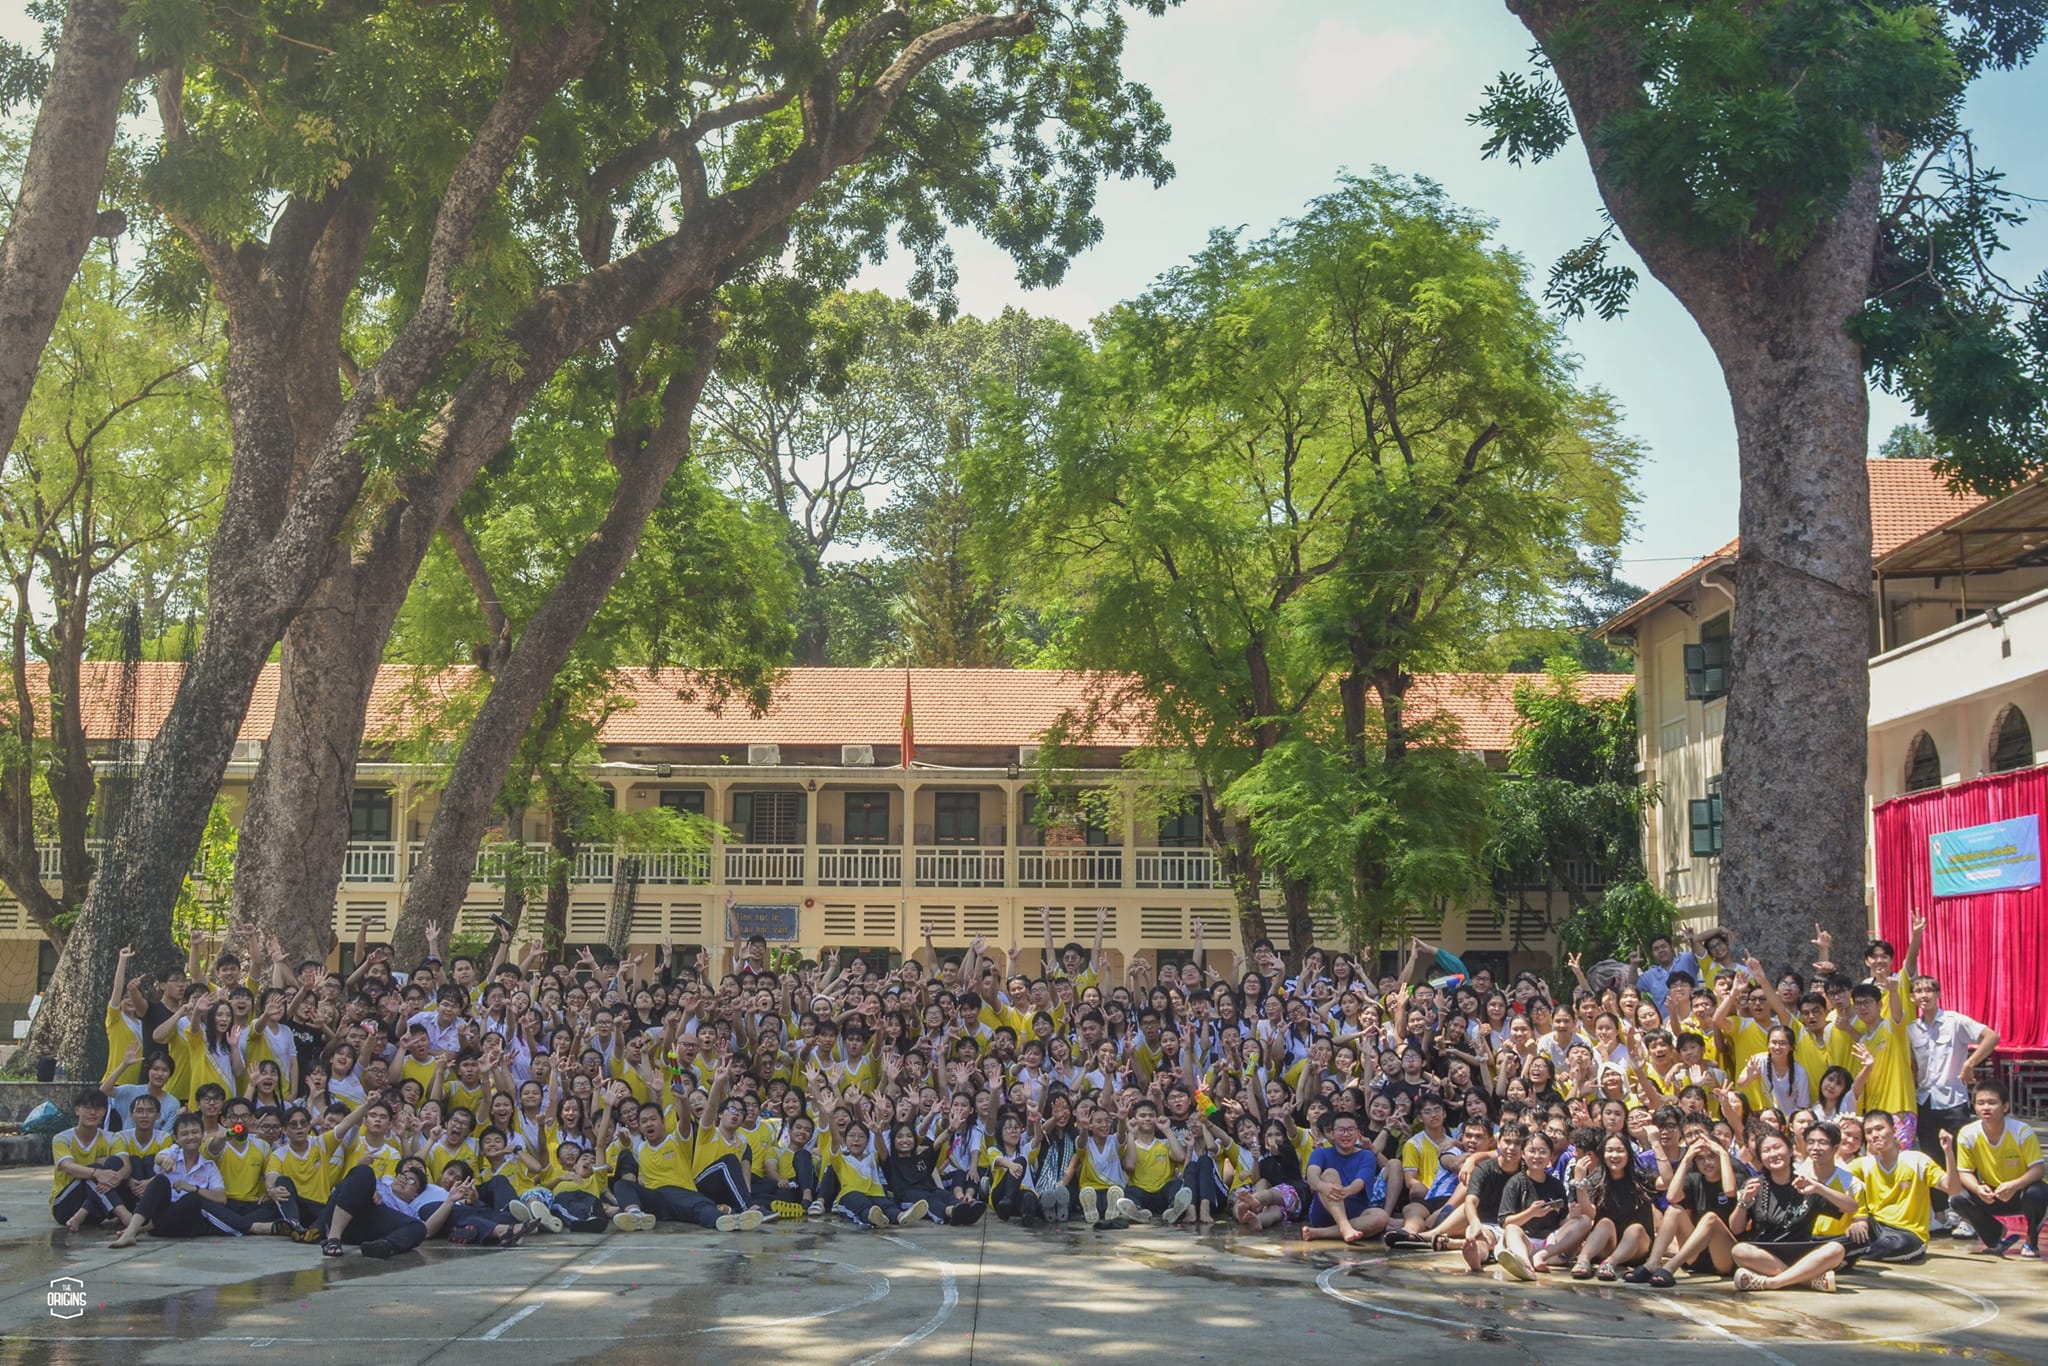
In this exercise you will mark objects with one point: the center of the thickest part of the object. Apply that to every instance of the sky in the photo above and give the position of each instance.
(1270, 99)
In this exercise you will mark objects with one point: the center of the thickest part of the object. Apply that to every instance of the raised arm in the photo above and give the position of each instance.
(120, 990)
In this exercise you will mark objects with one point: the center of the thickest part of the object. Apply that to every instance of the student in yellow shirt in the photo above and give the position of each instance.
(125, 1009)
(298, 1175)
(1152, 1161)
(88, 1186)
(1897, 1203)
(2000, 1172)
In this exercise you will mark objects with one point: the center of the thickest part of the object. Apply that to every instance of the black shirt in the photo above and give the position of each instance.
(1783, 1215)
(1525, 1190)
(1490, 1185)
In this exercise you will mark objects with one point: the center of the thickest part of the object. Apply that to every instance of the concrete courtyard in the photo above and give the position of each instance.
(822, 1293)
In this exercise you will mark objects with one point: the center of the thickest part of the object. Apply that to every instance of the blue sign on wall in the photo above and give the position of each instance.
(2003, 856)
(772, 923)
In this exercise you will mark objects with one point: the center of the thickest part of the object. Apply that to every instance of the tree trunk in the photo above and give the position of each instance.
(1301, 931)
(137, 882)
(1795, 746)
(435, 894)
(56, 209)
(294, 832)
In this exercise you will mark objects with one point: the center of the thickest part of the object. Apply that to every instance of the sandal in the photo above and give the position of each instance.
(331, 1248)
(1637, 1275)
(1660, 1279)
(1582, 1270)
(1439, 1243)
(1605, 1271)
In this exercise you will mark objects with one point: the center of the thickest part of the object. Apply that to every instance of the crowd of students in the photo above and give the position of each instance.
(1692, 1115)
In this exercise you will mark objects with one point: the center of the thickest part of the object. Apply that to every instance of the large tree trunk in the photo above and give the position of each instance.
(435, 893)
(294, 833)
(1795, 748)
(56, 211)
(1301, 931)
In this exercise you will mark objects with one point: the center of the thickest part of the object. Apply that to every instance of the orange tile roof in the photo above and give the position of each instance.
(951, 707)
(1908, 499)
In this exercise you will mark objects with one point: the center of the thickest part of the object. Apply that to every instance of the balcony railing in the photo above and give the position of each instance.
(764, 865)
(860, 865)
(50, 858)
(370, 861)
(599, 864)
(962, 865)
(1077, 867)
(1178, 868)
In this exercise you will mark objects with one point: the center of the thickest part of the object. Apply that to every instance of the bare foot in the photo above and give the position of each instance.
(122, 1240)
(75, 1222)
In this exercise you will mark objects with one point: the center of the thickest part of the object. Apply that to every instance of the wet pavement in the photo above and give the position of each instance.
(821, 1293)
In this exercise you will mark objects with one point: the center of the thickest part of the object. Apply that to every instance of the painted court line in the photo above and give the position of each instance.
(949, 1297)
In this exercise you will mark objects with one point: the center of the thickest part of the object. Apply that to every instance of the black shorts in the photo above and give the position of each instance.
(1433, 1203)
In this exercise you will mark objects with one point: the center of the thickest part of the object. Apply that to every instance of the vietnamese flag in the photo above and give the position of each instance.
(909, 739)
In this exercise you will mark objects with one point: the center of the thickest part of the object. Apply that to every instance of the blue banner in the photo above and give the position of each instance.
(2003, 856)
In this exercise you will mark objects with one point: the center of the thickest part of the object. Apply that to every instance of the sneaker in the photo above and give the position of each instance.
(750, 1219)
(1747, 1280)
(1962, 1230)
(1826, 1283)
(647, 1222)
(1112, 1201)
(1512, 1263)
(1131, 1212)
(1178, 1210)
(623, 1222)
(2030, 1252)
(1089, 1214)
(309, 1235)
(786, 1209)
(877, 1219)
(914, 1215)
(378, 1249)
(815, 1209)
(521, 1211)
(549, 1220)
(728, 1223)
(768, 1216)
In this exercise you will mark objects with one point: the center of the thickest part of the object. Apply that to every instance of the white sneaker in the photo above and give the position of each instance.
(522, 1211)
(624, 1222)
(645, 1221)
(1089, 1213)
(1178, 1210)
(914, 1215)
(1512, 1263)
(750, 1219)
(1112, 1203)
(549, 1220)
(815, 1209)
(877, 1219)
(728, 1223)
(1131, 1210)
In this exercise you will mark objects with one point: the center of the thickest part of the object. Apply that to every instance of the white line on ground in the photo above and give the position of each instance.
(493, 1334)
(949, 1297)
(595, 1259)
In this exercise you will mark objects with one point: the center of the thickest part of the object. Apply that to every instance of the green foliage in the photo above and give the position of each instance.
(1569, 811)
(1621, 923)
(1739, 128)
(1349, 448)
(208, 889)
(1373, 838)
(1909, 441)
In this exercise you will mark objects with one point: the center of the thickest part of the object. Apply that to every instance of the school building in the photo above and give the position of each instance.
(825, 837)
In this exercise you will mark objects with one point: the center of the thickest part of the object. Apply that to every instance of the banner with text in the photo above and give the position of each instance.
(2003, 856)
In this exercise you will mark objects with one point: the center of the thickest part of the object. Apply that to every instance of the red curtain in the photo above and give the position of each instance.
(1990, 952)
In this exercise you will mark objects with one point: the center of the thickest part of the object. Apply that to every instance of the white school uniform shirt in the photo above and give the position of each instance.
(1939, 1051)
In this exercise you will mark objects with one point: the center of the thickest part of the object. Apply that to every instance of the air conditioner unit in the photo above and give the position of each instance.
(1027, 755)
(247, 752)
(857, 756)
(764, 754)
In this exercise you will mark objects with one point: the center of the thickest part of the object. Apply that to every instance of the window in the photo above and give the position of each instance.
(1706, 821)
(956, 817)
(867, 818)
(2012, 742)
(1923, 764)
(1183, 828)
(1069, 813)
(1706, 664)
(769, 817)
(369, 816)
(689, 801)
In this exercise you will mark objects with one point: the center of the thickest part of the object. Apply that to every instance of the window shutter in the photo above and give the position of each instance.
(1701, 813)
(743, 815)
(1695, 672)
